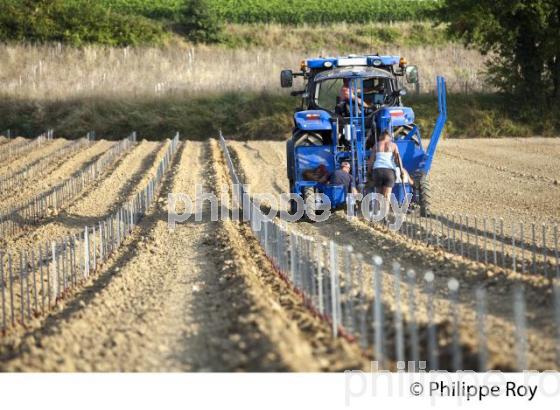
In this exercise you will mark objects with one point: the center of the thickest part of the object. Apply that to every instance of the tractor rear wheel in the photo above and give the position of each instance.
(422, 192)
(290, 165)
(307, 138)
(309, 201)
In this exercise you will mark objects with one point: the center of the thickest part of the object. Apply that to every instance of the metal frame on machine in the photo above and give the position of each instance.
(357, 140)
(440, 123)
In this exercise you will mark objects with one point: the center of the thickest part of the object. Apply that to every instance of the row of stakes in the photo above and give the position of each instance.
(33, 210)
(332, 282)
(14, 146)
(65, 191)
(486, 241)
(32, 282)
(17, 148)
(35, 168)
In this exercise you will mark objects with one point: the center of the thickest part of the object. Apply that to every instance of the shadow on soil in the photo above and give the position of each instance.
(224, 312)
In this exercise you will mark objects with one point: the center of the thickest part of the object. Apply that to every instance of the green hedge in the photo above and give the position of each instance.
(76, 22)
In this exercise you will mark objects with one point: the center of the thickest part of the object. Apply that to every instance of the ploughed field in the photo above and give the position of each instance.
(205, 296)
(198, 298)
(513, 179)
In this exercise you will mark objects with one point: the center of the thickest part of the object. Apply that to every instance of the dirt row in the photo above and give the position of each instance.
(12, 142)
(262, 164)
(80, 212)
(328, 353)
(517, 179)
(192, 299)
(127, 176)
(19, 161)
(56, 172)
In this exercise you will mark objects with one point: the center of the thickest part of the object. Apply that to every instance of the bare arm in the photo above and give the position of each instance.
(346, 93)
(371, 158)
(361, 101)
(397, 156)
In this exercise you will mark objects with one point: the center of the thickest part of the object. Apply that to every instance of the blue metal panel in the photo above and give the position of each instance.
(399, 193)
(336, 194)
(316, 63)
(411, 154)
(303, 122)
(389, 60)
(394, 116)
(303, 184)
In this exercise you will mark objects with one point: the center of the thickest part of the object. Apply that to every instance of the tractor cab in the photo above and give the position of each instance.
(331, 91)
(346, 104)
(373, 91)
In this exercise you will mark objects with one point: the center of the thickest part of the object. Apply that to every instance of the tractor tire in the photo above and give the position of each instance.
(290, 165)
(292, 207)
(305, 138)
(403, 131)
(309, 201)
(422, 193)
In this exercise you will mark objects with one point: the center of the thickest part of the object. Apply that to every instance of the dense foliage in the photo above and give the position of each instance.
(198, 23)
(524, 35)
(321, 11)
(109, 22)
(75, 22)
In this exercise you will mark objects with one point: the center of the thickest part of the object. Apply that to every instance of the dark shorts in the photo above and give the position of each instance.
(383, 178)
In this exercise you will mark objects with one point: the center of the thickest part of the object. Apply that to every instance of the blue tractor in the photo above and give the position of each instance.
(329, 130)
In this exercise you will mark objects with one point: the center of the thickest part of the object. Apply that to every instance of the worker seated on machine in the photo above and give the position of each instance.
(319, 174)
(343, 99)
(372, 97)
(343, 177)
(342, 107)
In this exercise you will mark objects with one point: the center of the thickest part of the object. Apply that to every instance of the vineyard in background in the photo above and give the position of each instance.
(287, 12)
(321, 11)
